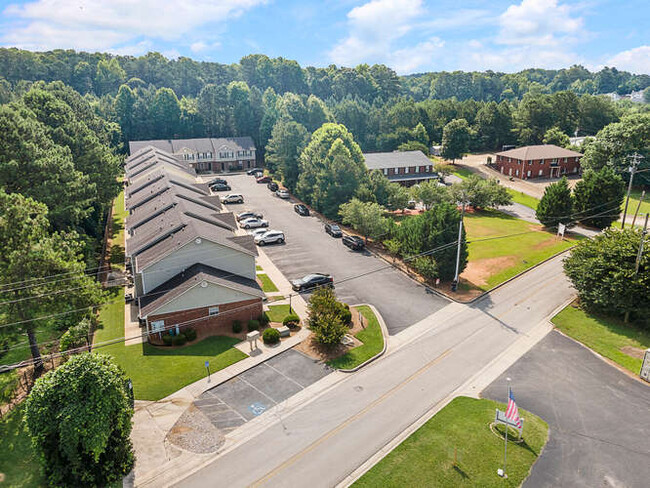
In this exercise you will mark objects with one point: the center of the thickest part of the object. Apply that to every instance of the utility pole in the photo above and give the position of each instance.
(638, 207)
(638, 257)
(636, 160)
(454, 284)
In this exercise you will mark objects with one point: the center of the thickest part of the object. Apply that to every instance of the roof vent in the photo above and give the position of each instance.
(197, 240)
(204, 284)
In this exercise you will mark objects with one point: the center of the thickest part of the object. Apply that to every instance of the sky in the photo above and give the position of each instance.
(410, 36)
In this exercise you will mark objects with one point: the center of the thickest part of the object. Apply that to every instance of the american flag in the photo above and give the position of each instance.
(512, 412)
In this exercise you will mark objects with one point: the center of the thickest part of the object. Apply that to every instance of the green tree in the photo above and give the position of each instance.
(598, 197)
(481, 193)
(77, 336)
(214, 110)
(398, 197)
(602, 270)
(556, 137)
(317, 113)
(166, 113)
(288, 139)
(431, 193)
(455, 139)
(332, 168)
(109, 76)
(365, 217)
(556, 206)
(124, 105)
(413, 146)
(28, 250)
(79, 419)
(428, 232)
(326, 317)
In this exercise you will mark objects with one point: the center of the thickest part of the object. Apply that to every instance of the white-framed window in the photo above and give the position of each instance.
(213, 311)
(540, 172)
(406, 170)
(541, 161)
(530, 162)
(566, 160)
(575, 169)
(157, 325)
(517, 173)
(385, 171)
(417, 169)
(528, 174)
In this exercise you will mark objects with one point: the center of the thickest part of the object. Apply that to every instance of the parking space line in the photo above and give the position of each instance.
(257, 389)
(230, 408)
(287, 377)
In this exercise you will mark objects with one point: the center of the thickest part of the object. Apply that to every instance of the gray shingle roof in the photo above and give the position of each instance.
(541, 151)
(159, 187)
(396, 159)
(197, 145)
(192, 277)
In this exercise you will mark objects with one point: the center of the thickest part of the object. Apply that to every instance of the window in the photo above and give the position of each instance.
(541, 161)
(157, 325)
(213, 311)
(517, 173)
(528, 174)
(406, 170)
(566, 160)
(530, 162)
(417, 169)
(385, 171)
(540, 172)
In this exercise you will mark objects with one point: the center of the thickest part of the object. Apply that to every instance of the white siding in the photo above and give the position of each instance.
(215, 255)
(199, 297)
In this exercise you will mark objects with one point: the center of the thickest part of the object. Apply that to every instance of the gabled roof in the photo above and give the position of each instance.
(162, 173)
(191, 277)
(161, 186)
(396, 159)
(541, 151)
(155, 164)
(203, 205)
(197, 145)
(149, 153)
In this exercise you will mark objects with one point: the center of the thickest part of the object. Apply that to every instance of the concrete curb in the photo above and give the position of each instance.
(384, 333)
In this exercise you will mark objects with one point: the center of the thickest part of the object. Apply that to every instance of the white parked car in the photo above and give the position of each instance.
(258, 232)
(282, 194)
(233, 198)
(270, 237)
(253, 222)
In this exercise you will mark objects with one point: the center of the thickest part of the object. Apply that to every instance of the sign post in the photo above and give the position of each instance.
(560, 229)
(645, 367)
(207, 366)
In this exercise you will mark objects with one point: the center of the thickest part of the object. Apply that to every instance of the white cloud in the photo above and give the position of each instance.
(374, 27)
(636, 60)
(106, 24)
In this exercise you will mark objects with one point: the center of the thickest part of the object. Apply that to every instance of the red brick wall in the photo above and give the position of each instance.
(206, 325)
(520, 169)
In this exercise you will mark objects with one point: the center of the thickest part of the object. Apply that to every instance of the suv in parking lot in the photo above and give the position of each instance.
(270, 237)
(272, 185)
(312, 281)
(220, 187)
(355, 243)
(248, 215)
(232, 198)
(301, 209)
(253, 222)
(263, 179)
(333, 230)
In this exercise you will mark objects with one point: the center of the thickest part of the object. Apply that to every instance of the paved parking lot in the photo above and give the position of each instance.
(598, 417)
(251, 393)
(308, 249)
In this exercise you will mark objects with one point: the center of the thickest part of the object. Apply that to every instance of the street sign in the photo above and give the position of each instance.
(645, 367)
(207, 364)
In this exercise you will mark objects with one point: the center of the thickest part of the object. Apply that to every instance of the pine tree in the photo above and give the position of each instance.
(556, 206)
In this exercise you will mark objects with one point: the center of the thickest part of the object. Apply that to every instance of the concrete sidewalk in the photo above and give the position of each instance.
(154, 419)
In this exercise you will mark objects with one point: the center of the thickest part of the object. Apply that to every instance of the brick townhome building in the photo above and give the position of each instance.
(404, 167)
(542, 161)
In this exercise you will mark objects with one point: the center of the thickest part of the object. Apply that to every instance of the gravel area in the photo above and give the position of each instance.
(194, 432)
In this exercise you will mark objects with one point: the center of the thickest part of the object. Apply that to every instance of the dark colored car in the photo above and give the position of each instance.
(252, 171)
(263, 179)
(220, 187)
(333, 230)
(312, 281)
(217, 181)
(272, 185)
(301, 209)
(354, 242)
(248, 215)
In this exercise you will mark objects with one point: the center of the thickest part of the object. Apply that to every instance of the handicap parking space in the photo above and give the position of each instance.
(259, 389)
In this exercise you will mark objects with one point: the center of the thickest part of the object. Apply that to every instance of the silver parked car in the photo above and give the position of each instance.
(253, 222)
(233, 198)
(283, 194)
(270, 237)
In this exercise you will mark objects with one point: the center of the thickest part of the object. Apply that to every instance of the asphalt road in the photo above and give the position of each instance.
(319, 444)
(308, 249)
(599, 418)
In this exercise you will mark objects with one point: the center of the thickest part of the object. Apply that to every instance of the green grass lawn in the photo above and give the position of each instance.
(277, 313)
(494, 261)
(117, 232)
(18, 462)
(373, 343)
(258, 267)
(426, 458)
(605, 335)
(459, 171)
(20, 348)
(523, 198)
(267, 285)
(635, 196)
(159, 371)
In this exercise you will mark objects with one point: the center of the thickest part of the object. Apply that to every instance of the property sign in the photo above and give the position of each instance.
(560, 230)
(645, 367)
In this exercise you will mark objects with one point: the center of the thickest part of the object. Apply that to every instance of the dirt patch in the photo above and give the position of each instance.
(635, 352)
(478, 272)
(194, 432)
(314, 350)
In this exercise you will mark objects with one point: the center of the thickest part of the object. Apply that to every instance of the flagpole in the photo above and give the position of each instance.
(505, 450)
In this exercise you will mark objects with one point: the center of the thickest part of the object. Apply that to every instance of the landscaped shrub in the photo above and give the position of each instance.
(253, 325)
(264, 319)
(291, 321)
(345, 313)
(271, 336)
(167, 340)
(236, 326)
(190, 334)
(179, 340)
